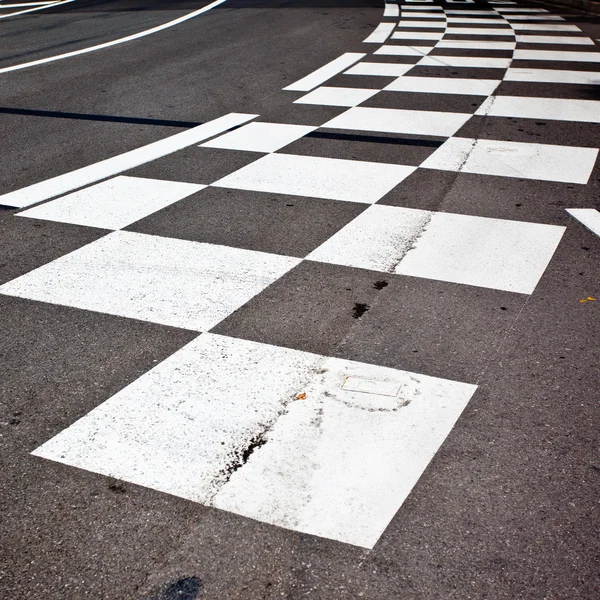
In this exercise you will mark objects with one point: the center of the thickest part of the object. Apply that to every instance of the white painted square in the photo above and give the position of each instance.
(380, 34)
(161, 280)
(465, 61)
(417, 35)
(443, 85)
(330, 178)
(336, 96)
(546, 162)
(576, 40)
(553, 76)
(379, 68)
(115, 203)
(391, 10)
(404, 50)
(338, 464)
(559, 55)
(392, 120)
(377, 239)
(557, 109)
(491, 253)
(260, 137)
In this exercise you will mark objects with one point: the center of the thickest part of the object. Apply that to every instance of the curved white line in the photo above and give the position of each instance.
(22, 12)
(122, 40)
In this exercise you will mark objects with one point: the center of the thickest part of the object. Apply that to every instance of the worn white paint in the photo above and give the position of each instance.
(476, 45)
(338, 464)
(161, 280)
(113, 204)
(553, 76)
(379, 68)
(444, 85)
(392, 120)
(491, 253)
(546, 162)
(555, 39)
(56, 186)
(557, 109)
(519, 10)
(123, 40)
(330, 178)
(403, 50)
(513, 18)
(556, 55)
(380, 34)
(465, 61)
(326, 72)
(260, 137)
(337, 96)
(391, 10)
(589, 217)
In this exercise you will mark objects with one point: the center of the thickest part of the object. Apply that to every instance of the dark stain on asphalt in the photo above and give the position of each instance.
(379, 285)
(187, 588)
(359, 310)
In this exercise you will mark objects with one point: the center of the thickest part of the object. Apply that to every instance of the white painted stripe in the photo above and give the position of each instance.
(416, 24)
(44, 190)
(471, 12)
(326, 72)
(512, 18)
(30, 10)
(465, 61)
(589, 217)
(483, 252)
(260, 137)
(384, 69)
(27, 4)
(116, 42)
(476, 44)
(381, 33)
(443, 85)
(544, 27)
(560, 55)
(423, 15)
(555, 39)
(115, 203)
(391, 10)
(479, 31)
(161, 280)
(337, 464)
(546, 162)
(428, 8)
(489, 21)
(554, 109)
(417, 35)
(329, 178)
(553, 76)
(336, 96)
(394, 120)
(521, 10)
(389, 50)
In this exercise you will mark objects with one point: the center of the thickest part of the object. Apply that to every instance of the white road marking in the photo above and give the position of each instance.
(554, 39)
(338, 464)
(161, 280)
(27, 4)
(129, 38)
(326, 72)
(476, 45)
(395, 120)
(336, 96)
(465, 61)
(520, 10)
(30, 10)
(380, 34)
(553, 76)
(558, 55)
(329, 178)
(589, 217)
(391, 10)
(472, 12)
(479, 31)
(513, 18)
(417, 24)
(56, 186)
(427, 8)
(383, 69)
(260, 137)
(557, 109)
(483, 252)
(544, 27)
(403, 50)
(113, 204)
(423, 15)
(483, 21)
(546, 162)
(444, 85)
(417, 35)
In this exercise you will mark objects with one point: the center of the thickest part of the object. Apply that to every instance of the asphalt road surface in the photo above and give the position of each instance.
(299, 300)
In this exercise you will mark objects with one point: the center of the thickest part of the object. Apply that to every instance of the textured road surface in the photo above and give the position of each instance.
(508, 505)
